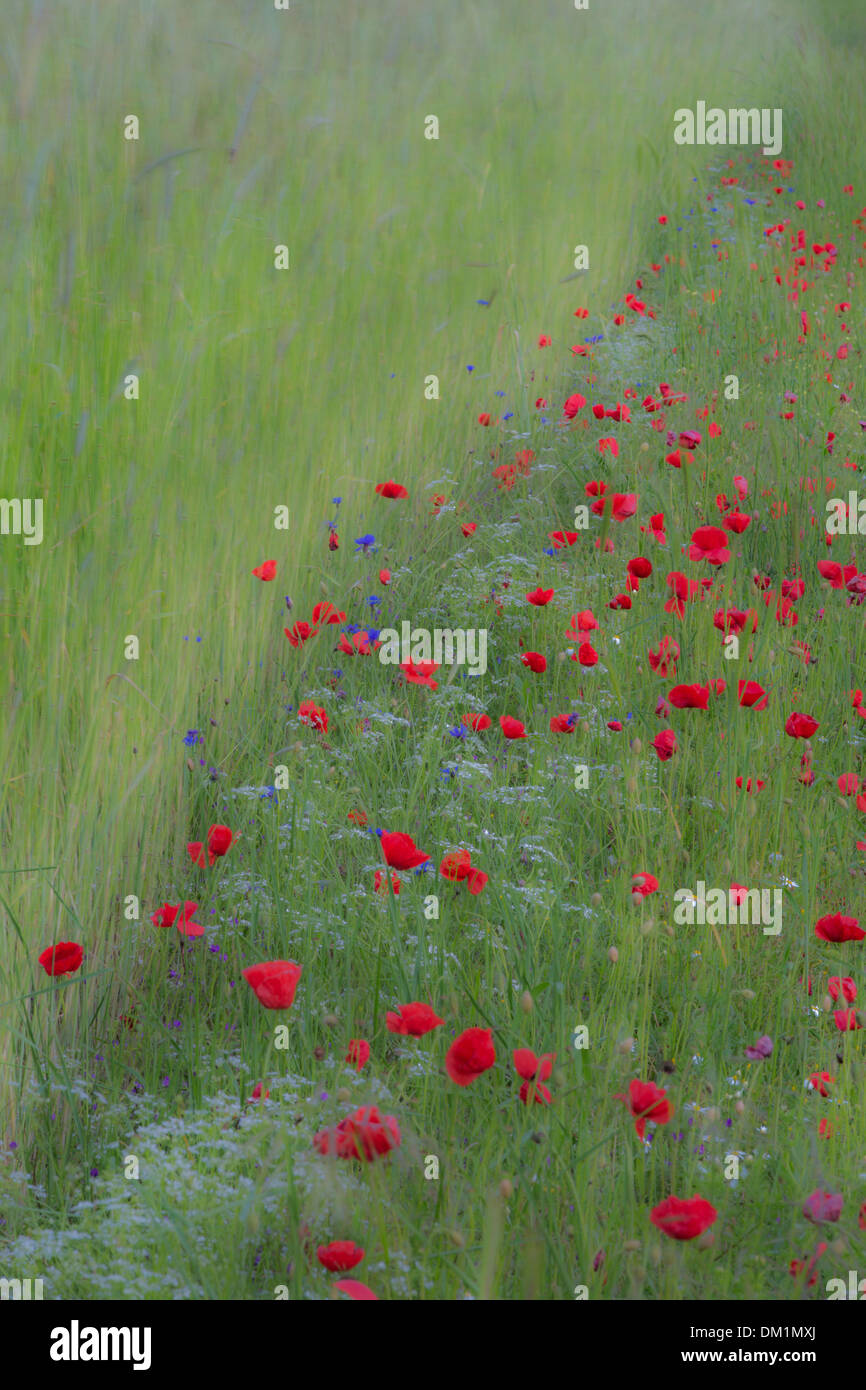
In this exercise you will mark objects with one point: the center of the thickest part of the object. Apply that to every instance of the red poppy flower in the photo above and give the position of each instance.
(619, 505)
(644, 884)
(62, 959)
(657, 528)
(563, 723)
(533, 1090)
(219, 838)
(709, 543)
(846, 1020)
(797, 1267)
(690, 696)
(359, 1053)
(380, 883)
(400, 851)
(639, 567)
(837, 575)
(751, 784)
(586, 654)
(257, 1094)
(540, 597)
(800, 725)
(356, 643)
(413, 1020)
(734, 620)
(512, 728)
(846, 987)
(274, 982)
(391, 489)
(266, 571)
(356, 1290)
(471, 1054)
(821, 1206)
(663, 658)
(683, 1218)
(365, 1135)
(169, 916)
(458, 866)
(584, 621)
(339, 1256)
(533, 1068)
(358, 817)
(468, 528)
(665, 744)
(384, 576)
(820, 1080)
(327, 613)
(573, 405)
(647, 1102)
(311, 714)
(848, 783)
(750, 694)
(420, 673)
(535, 661)
(476, 722)
(300, 633)
(836, 927)
(561, 538)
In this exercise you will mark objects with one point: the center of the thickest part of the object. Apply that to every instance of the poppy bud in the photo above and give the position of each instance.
(344, 1094)
(596, 900)
(631, 1245)
(826, 1003)
(625, 1046)
(456, 1239)
(526, 1002)
(706, 1240)
(636, 745)
(740, 1107)
(613, 955)
(330, 1020)
(506, 1188)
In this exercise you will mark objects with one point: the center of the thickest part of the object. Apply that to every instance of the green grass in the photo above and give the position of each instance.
(260, 388)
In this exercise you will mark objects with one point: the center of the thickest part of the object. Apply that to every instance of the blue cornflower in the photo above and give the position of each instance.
(193, 737)
(374, 600)
(336, 501)
(364, 543)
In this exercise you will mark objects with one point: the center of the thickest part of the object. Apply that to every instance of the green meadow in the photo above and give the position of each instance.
(166, 390)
